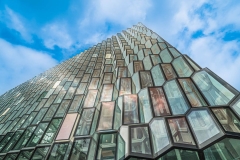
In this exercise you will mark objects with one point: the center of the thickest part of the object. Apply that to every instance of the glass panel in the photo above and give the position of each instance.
(11, 156)
(90, 99)
(236, 107)
(93, 146)
(81, 89)
(76, 103)
(159, 135)
(215, 92)
(159, 102)
(107, 146)
(85, 78)
(157, 75)
(12, 141)
(107, 92)
(126, 86)
(63, 108)
(122, 72)
(5, 140)
(144, 106)
(180, 131)
(138, 66)
(130, 109)
(165, 56)
(179, 154)
(29, 120)
(96, 73)
(146, 79)
(51, 131)
(60, 96)
(80, 149)
(25, 155)
(155, 59)
(70, 93)
(147, 63)
(192, 93)
(107, 78)
(175, 98)
(106, 116)
(168, 71)
(140, 142)
(227, 119)
(84, 125)
(94, 83)
(52, 109)
(121, 148)
(174, 52)
(58, 152)
(67, 126)
(37, 135)
(181, 67)
(195, 67)
(40, 153)
(24, 138)
(203, 125)
(226, 149)
(39, 116)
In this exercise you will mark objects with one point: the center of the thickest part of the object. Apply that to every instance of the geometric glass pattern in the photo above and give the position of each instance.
(132, 96)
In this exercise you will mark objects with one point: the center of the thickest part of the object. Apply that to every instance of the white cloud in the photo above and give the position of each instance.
(19, 63)
(56, 34)
(16, 22)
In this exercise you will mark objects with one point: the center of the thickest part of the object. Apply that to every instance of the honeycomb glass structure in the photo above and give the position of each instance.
(132, 96)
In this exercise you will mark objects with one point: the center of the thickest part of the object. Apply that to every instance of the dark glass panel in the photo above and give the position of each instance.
(58, 151)
(179, 154)
(80, 149)
(37, 135)
(40, 153)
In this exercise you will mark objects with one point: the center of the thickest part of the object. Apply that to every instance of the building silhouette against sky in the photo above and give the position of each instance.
(132, 96)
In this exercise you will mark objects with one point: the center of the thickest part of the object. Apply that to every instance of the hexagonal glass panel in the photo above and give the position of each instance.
(180, 154)
(180, 131)
(226, 149)
(130, 113)
(166, 56)
(58, 151)
(236, 107)
(80, 149)
(192, 93)
(204, 127)
(106, 116)
(215, 92)
(159, 102)
(181, 67)
(140, 142)
(175, 98)
(157, 75)
(144, 106)
(160, 138)
(227, 119)
(168, 71)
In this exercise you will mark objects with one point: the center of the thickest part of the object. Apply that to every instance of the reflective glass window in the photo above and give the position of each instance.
(215, 92)
(180, 131)
(80, 149)
(106, 116)
(130, 109)
(140, 142)
(58, 151)
(159, 102)
(168, 71)
(157, 75)
(175, 98)
(144, 106)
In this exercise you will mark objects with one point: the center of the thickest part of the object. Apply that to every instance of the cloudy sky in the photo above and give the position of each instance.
(36, 35)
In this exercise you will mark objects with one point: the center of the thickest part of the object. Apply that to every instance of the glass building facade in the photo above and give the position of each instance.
(132, 96)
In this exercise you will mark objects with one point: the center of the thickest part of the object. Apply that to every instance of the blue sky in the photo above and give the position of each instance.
(37, 35)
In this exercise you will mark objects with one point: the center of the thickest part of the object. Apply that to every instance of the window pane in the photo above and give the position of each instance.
(40, 153)
(67, 126)
(165, 56)
(146, 79)
(140, 140)
(130, 109)
(225, 149)
(227, 119)
(159, 102)
(37, 135)
(126, 86)
(168, 71)
(107, 92)
(25, 155)
(179, 154)
(80, 149)
(175, 98)
(203, 125)
(159, 134)
(90, 99)
(214, 91)
(106, 116)
(144, 106)
(180, 131)
(58, 152)
(181, 67)
(192, 93)
(84, 125)
(157, 75)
